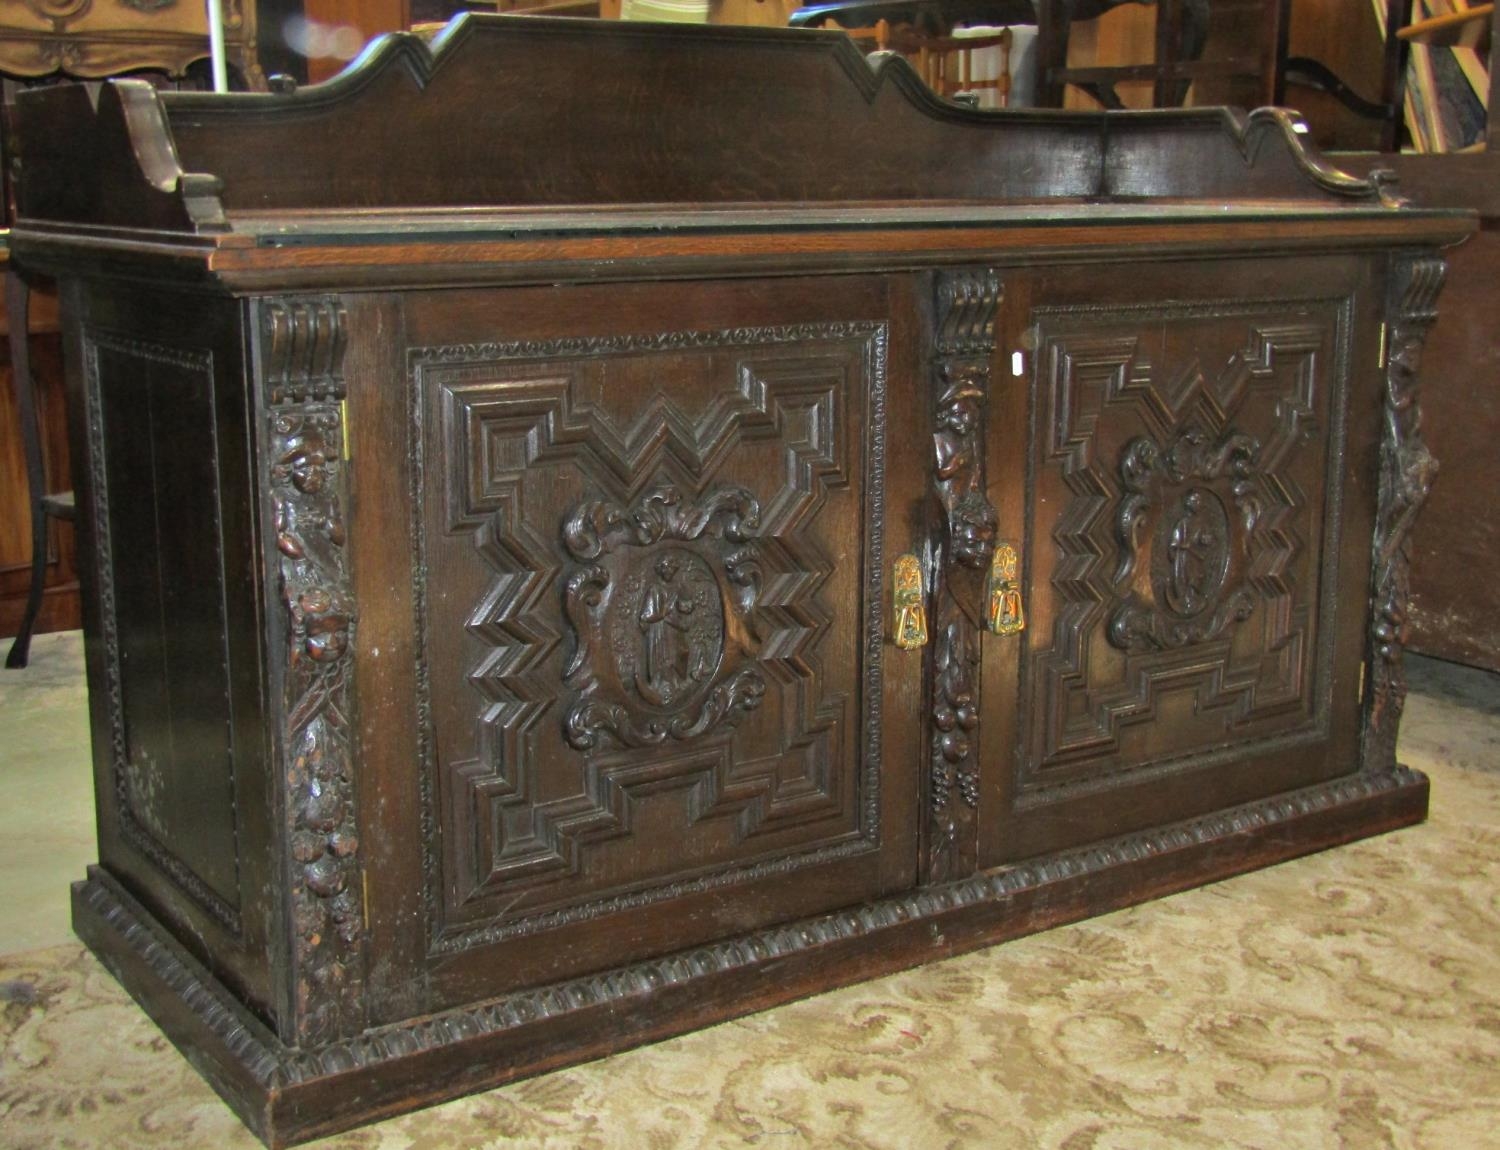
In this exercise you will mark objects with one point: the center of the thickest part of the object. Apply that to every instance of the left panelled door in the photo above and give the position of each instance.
(652, 529)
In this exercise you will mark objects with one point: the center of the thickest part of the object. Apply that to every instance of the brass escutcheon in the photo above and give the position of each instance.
(1005, 614)
(910, 601)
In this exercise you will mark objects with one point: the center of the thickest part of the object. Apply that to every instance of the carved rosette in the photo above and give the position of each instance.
(1207, 496)
(966, 304)
(302, 350)
(1407, 469)
(662, 613)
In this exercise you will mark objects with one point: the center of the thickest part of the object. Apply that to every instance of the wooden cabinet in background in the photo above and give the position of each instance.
(617, 572)
(83, 39)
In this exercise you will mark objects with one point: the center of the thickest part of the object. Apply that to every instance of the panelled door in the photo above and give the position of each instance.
(652, 533)
(1196, 547)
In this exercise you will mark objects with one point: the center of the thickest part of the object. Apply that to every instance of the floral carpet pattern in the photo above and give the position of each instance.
(1350, 999)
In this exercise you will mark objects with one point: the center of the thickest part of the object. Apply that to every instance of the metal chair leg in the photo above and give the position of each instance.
(17, 311)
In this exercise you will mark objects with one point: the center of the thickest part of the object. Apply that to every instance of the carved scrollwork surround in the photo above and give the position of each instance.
(654, 656)
(1198, 576)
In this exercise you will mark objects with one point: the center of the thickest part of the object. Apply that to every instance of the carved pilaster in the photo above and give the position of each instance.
(1406, 473)
(966, 305)
(302, 349)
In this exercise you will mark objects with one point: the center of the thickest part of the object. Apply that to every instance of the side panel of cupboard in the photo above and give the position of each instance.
(1196, 556)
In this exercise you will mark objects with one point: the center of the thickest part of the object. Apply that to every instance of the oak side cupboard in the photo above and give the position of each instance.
(590, 529)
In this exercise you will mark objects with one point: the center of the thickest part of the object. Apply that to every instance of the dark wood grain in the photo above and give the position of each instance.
(489, 522)
(809, 122)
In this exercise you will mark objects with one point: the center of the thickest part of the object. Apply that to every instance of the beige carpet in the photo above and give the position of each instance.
(1347, 1000)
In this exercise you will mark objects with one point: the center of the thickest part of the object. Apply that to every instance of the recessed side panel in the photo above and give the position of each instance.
(158, 394)
(158, 506)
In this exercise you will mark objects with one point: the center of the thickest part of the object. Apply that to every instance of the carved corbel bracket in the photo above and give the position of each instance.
(1407, 469)
(302, 344)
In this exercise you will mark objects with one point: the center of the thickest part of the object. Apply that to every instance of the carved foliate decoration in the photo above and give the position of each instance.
(307, 485)
(1407, 469)
(1197, 546)
(955, 714)
(967, 302)
(661, 629)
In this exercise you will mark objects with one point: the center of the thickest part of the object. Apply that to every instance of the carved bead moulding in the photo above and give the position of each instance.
(619, 989)
(302, 343)
(1407, 469)
(651, 621)
(1184, 473)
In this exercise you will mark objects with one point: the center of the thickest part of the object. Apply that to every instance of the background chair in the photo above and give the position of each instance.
(44, 505)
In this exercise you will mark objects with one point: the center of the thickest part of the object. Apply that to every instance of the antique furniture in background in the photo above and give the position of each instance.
(560, 579)
(47, 496)
(70, 40)
(1455, 603)
(924, 34)
(85, 39)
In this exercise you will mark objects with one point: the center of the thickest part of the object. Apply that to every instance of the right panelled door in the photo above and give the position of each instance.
(1187, 453)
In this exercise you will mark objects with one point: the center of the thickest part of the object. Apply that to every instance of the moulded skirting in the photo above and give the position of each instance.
(288, 1095)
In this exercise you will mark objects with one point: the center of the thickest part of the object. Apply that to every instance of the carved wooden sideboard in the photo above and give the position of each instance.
(558, 576)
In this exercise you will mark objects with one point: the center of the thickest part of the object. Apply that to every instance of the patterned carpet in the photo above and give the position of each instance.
(1351, 999)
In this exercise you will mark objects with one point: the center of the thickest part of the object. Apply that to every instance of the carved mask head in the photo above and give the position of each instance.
(973, 525)
(325, 625)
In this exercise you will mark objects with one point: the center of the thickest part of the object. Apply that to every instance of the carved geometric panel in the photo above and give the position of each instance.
(645, 604)
(1186, 530)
